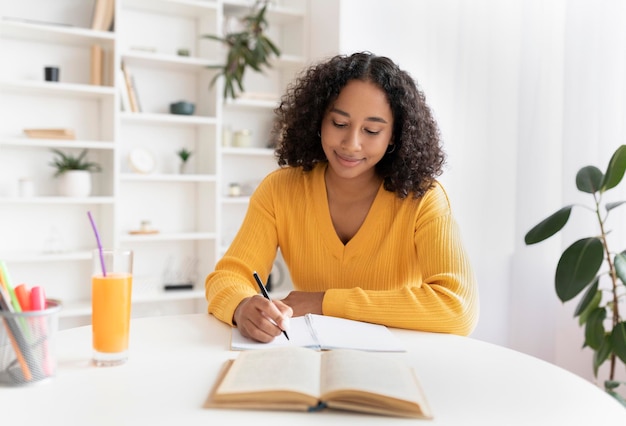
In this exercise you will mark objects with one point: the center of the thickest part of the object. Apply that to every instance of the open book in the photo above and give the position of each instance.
(302, 379)
(323, 332)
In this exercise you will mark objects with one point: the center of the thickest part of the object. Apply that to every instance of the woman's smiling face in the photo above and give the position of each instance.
(357, 130)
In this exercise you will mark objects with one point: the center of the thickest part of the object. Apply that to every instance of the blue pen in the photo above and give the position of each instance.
(265, 293)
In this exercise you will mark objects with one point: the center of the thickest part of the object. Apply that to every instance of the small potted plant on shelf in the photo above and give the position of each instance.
(74, 173)
(249, 47)
(184, 155)
(579, 268)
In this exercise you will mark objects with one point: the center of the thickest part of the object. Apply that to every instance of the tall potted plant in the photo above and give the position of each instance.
(249, 47)
(74, 173)
(590, 265)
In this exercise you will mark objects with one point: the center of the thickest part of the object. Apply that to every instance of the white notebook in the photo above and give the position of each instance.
(322, 332)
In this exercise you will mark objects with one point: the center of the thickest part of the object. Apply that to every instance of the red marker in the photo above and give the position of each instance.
(37, 299)
(38, 303)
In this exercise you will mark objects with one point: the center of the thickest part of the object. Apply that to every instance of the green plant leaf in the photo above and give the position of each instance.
(590, 300)
(549, 226)
(272, 46)
(613, 384)
(611, 206)
(589, 179)
(64, 162)
(577, 267)
(214, 37)
(247, 48)
(617, 396)
(615, 169)
(618, 340)
(594, 329)
(620, 266)
(602, 354)
(184, 154)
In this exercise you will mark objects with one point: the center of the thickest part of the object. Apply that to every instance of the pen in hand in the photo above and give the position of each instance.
(265, 293)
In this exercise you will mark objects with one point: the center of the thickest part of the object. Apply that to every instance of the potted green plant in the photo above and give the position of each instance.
(248, 48)
(74, 173)
(184, 155)
(590, 265)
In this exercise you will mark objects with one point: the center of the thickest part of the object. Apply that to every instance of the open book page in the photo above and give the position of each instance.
(364, 381)
(271, 375)
(324, 332)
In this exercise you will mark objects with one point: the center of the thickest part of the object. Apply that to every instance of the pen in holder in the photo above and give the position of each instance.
(27, 345)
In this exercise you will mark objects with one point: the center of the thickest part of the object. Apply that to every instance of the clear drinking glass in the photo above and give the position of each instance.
(111, 289)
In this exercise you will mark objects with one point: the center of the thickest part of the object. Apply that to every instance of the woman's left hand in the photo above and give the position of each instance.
(304, 302)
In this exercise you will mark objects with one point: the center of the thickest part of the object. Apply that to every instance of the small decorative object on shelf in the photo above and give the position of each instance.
(184, 155)
(247, 47)
(141, 161)
(227, 136)
(234, 189)
(243, 138)
(180, 276)
(74, 173)
(51, 73)
(145, 229)
(26, 187)
(183, 52)
(182, 108)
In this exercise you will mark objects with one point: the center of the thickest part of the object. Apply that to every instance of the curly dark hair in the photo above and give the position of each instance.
(417, 158)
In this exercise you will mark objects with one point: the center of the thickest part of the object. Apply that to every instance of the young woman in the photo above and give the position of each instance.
(362, 223)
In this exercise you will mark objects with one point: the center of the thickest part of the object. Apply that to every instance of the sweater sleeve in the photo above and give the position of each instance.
(443, 299)
(253, 249)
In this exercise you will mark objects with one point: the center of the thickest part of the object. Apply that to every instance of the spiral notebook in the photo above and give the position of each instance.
(323, 332)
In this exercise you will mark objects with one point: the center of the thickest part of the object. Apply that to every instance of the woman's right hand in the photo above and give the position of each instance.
(260, 319)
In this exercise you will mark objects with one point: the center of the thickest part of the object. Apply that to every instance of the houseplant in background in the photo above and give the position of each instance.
(74, 173)
(184, 155)
(248, 47)
(589, 264)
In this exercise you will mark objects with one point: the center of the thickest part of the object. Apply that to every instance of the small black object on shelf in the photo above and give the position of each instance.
(182, 286)
(182, 108)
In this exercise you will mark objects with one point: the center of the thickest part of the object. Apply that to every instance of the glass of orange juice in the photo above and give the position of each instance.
(111, 288)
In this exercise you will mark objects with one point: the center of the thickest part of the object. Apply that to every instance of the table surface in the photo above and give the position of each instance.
(174, 361)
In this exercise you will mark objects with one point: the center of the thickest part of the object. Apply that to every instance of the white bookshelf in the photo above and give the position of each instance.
(47, 239)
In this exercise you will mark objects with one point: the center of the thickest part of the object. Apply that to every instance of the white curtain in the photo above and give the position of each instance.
(526, 93)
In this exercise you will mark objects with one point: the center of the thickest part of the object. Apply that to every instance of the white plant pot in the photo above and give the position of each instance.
(75, 183)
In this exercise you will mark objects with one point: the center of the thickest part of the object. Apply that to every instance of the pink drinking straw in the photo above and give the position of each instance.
(95, 231)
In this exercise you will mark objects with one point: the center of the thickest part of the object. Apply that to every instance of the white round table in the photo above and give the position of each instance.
(174, 361)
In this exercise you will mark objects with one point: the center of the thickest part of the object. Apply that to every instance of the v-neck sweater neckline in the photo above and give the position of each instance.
(322, 212)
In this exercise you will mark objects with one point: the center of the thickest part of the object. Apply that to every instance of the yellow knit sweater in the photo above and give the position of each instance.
(406, 266)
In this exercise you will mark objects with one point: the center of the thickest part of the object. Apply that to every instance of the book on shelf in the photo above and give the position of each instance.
(99, 10)
(302, 379)
(103, 15)
(134, 93)
(130, 88)
(50, 133)
(97, 64)
(124, 97)
(324, 332)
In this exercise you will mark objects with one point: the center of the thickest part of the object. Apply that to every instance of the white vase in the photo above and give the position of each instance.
(75, 183)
